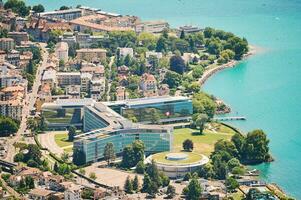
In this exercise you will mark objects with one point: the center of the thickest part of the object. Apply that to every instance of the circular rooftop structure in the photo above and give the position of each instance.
(176, 156)
(176, 165)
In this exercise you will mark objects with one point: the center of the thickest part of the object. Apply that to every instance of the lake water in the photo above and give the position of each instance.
(265, 88)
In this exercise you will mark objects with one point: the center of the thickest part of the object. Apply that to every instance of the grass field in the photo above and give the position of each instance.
(61, 140)
(192, 158)
(203, 144)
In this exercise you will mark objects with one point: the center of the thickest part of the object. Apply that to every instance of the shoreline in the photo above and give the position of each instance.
(207, 74)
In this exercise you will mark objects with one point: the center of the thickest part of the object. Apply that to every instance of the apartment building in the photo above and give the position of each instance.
(91, 55)
(68, 78)
(7, 44)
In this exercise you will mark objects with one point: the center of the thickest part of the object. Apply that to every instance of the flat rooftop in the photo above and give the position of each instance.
(69, 103)
(147, 100)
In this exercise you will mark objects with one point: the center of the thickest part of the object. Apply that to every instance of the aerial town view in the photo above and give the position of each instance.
(175, 99)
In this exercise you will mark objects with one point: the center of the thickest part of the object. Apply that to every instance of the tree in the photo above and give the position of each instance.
(206, 171)
(226, 146)
(140, 167)
(161, 45)
(33, 153)
(38, 8)
(55, 167)
(29, 182)
(197, 72)
(194, 190)
(172, 79)
(152, 190)
(132, 154)
(154, 116)
(61, 64)
(187, 176)
(146, 182)
(201, 121)
(135, 184)
(171, 192)
(231, 184)
(203, 103)
(128, 187)
(231, 164)
(188, 145)
(8, 126)
(71, 133)
(182, 35)
(87, 193)
(17, 6)
(92, 176)
(154, 174)
(64, 8)
(256, 149)
(65, 157)
(109, 153)
(177, 64)
(82, 171)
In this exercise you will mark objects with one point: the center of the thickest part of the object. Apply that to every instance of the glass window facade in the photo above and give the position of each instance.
(169, 111)
(92, 121)
(57, 118)
(154, 141)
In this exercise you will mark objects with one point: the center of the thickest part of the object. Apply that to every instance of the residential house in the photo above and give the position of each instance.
(123, 70)
(148, 85)
(121, 94)
(39, 194)
(123, 52)
(73, 192)
(49, 78)
(163, 90)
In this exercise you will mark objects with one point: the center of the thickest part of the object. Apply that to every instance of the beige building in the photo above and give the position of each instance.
(61, 51)
(97, 88)
(12, 109)
(85, 81)
(7, 44)
(91, 55)
(148, 85)
(152, 26)
(19, 37)
(121, 94)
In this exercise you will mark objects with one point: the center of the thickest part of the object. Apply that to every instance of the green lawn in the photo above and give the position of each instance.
(203, 144)
(61, 140)
(192, 158)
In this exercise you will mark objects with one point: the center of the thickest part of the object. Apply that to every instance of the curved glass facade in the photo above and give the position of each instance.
(154, 141)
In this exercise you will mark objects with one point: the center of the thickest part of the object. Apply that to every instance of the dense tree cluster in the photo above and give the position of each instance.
(132, 154)
(203, 103)
(227, 155)
(17, 6)
(8, 126)
(32, 157)
(153, 180)
(194, 190)
(225, 44)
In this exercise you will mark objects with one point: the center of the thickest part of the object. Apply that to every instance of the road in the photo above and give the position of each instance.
(29, 104)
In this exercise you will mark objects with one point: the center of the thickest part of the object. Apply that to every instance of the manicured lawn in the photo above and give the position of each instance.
(61, 139)
(203, 144)
(237, 195)
(192, 158)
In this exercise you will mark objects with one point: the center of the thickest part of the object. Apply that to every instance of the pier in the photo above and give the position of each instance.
(229, 118)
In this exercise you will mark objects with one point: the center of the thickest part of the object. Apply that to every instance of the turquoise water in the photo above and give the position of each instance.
(266, 87)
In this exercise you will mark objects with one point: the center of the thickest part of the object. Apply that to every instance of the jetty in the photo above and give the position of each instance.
(229, 118)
